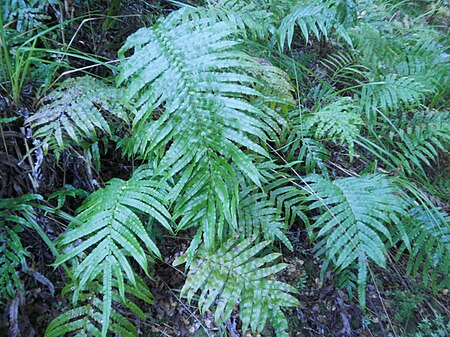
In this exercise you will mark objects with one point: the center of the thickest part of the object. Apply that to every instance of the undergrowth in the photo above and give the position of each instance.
(236, 139)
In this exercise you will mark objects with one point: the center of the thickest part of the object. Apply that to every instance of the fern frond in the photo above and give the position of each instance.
(193, 70)
(26, 15)
(419, 139)
(258, 216)
(251, 20)
(390, 94)
(299, 145)
(175, 64)
(318, 18)
(338, 121)
(233, 273)
(428, 230)
(12, 259)
(74, 113)
(108, 231)
(353, 224)
(86, 318)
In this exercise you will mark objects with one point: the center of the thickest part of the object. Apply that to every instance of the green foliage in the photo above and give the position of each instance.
(78, 112)
(224, 151)
(87, 319)
(318, 18)
(338, 121)
(25, 14)
(12, 259)
(354, 219)
(428, 231)
(233, 273)
(108, 231)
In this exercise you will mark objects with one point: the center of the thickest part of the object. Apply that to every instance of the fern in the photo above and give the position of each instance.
(110, 229)
(259, 216)
(233, 274)
(418, 139)
(73, 114)
(87, 319)
(338, 121)
(193, 70)
(12, 259)
(428, 233)
(390, 94)
(353, 225)
(27, 14)
(317, 18)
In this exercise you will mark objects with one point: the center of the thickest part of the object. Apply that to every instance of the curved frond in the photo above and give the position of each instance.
(86, 318)
(390, 94)
(192, 70)
(353, 225)
(233, 273)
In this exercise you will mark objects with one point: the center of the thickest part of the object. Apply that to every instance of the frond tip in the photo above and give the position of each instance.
(234, 274)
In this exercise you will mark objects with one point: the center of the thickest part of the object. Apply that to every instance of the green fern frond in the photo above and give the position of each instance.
(87, 318)
(12, 259)
(419, 139)
(251, 19)
(318, 18)
(233, 273)
(108, 230)
(428, 230)
(299, 145)
(74, 113)
(176, 64)
(258, 216)
(338, 121)
(390, 94)
(343, 71)
(353, 224)
(193, 70)
(26, 14)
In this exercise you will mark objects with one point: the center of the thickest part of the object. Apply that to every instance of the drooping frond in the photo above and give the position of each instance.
(317, 17)
(112, 233)
(338, 121)
(343, 71)
(428, 231)
(74, 113)
(15, 213)
(190, 68)
(234, 274)
(26, 15)
(300, 145)
(353, 225)
(86, 318)
(252, 20)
